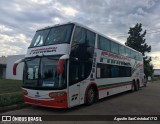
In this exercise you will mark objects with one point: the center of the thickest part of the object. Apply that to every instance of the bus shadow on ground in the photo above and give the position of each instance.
(76, 108)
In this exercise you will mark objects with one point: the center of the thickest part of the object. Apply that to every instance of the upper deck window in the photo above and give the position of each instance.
(103, 43)
(84, 36)
(83, 43)
(39, 38)
(55, 35)
(128, 52)
(60, 34)
(114, 47)
(122, 50)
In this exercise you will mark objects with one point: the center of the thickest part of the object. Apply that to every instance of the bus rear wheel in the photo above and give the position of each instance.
(133, 87)
(136, 86)
(91, 96)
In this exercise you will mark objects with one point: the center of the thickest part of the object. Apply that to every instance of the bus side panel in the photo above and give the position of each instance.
(108, 87)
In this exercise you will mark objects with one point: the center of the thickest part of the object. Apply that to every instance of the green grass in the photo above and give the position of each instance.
(10, 99)
(8, 86)
(10, 92)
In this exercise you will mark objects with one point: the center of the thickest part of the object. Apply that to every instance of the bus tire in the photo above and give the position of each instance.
(133, 87)
(136, 86)
(91, 96)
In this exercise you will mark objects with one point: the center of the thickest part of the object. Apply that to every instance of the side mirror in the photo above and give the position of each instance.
(16, 64)
(60, 65)
(15, 68)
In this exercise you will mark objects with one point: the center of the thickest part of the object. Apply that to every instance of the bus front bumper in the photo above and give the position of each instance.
(60, 102)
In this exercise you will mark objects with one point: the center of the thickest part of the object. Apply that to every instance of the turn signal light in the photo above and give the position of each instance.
(56, 94)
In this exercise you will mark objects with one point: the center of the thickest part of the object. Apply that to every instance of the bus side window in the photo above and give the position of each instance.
(79, 36)
(114, 71)
(90, 39)
(83, 44)
(104, 43)
(103, 70)
(78, 71)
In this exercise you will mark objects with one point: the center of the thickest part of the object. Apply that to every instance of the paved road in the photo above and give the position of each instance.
(144, 102)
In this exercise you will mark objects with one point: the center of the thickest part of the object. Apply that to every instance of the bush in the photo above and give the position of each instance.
(10, 99)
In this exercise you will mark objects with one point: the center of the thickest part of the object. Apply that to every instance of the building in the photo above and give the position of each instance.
(9, 69)
(156, 73)
(3, 61)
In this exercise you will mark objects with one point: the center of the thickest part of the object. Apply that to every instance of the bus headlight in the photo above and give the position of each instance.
(24, 92)
(56, 94)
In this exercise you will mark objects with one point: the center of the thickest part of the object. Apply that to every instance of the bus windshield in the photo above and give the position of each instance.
(41, 73)
(50, 36)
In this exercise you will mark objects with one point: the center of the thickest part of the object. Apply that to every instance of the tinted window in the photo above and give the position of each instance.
(39, 38)
(114, 47)
(112, 71)
(42, 73)
(78, 71)
(103, 71)
(31, 69)
(54, 35)
(140, 57)
(128, 52)
(133, 54)
(137, 56)
(49, 74)
(83, 44)
(90, 38)
(79, 36)
(122, 50)
(103, 43)
(59, 34)
(124, 71)
(83, 36)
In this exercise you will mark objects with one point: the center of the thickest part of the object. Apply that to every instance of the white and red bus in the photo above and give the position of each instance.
(70, 64)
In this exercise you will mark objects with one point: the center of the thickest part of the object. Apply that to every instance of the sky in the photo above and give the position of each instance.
(19, 19)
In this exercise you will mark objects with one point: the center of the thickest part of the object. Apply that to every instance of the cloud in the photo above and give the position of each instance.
(4, 28)
(155, 59)
(16, 44)
(109, 17)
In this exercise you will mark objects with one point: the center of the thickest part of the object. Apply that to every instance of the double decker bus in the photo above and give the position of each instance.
(70, 64)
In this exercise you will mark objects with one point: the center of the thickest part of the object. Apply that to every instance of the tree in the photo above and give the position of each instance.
(136, 40)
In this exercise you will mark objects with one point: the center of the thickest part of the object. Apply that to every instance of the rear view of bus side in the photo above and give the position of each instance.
(70, 64)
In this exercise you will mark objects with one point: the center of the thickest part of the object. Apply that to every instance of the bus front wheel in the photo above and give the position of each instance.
(91, 96)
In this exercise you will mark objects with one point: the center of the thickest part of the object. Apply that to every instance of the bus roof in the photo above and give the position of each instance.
(81, 25)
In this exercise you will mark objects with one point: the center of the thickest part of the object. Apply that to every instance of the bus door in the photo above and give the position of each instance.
(74, 83)
(74, 94)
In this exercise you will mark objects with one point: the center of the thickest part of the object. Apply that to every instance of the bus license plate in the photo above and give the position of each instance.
(37, 102)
